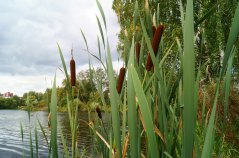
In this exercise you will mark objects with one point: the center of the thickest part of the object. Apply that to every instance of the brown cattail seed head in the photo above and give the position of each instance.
(98, 112)
(120, 79)
(149, 63)
(137, 51)
(73, 72)
(155, 45)
(157, 38)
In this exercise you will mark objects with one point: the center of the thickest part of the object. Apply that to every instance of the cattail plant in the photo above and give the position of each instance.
(155, 45)
(177, 130)
(98, 111)
(73, 70)
(120, 79)
(137, 51)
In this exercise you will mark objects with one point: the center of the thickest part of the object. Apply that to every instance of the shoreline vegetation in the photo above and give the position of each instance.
(164, 95)
(89, 96)
(83, 108)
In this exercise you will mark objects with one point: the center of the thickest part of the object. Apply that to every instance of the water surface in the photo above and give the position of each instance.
(12, 146)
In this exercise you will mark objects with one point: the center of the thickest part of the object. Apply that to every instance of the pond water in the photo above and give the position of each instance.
(12, 146)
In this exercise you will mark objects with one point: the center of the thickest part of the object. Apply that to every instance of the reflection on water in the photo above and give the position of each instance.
(12, 146)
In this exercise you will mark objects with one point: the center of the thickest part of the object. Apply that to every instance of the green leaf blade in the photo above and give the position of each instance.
(54, 120)
(188, 83)
(146, 114)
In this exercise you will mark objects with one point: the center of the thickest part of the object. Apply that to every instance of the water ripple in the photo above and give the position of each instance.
(12, 145)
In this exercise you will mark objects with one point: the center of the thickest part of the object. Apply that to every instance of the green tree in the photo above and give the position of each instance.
(212, 24)
(11, 103)
(87, 83)
(87, 86)
(34, 97)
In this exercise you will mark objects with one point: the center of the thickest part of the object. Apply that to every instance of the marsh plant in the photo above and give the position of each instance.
(154, 104)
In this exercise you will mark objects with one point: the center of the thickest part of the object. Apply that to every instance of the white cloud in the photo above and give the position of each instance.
(30, 30)
(21, 84)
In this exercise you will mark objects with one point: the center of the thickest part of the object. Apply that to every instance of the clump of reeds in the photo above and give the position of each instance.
(174, 133)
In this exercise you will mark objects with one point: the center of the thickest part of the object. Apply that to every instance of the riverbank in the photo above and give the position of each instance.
(82, 108)
(33, 108)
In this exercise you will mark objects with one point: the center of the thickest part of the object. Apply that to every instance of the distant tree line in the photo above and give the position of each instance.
(85, 90)
(11, 103)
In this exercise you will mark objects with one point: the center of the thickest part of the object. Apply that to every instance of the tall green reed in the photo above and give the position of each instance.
(157, 108)
(176, 104)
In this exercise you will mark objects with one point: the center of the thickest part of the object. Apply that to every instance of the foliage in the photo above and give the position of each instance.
(85, 89)
(158, 107)
(34, 97)
(11, 103)
(212, 25)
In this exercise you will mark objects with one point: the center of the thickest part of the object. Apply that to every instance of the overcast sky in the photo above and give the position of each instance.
(29, 31)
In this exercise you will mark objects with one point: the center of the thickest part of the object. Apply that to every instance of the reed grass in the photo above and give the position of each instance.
(189, 106)
(53, 140)
(158, 108)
